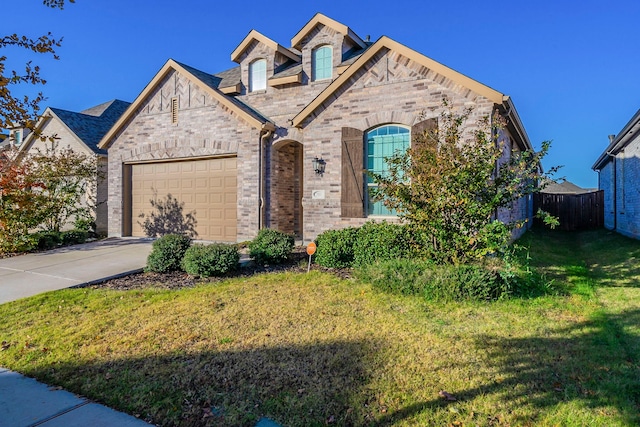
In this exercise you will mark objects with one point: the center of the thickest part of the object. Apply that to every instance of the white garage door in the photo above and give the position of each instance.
(197, 194)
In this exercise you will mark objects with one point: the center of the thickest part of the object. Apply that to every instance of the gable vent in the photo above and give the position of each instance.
(174, 110)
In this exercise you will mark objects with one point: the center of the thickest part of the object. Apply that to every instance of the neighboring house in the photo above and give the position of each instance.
(238, 150)
(565, 187)
(618, 170)
(80, 132)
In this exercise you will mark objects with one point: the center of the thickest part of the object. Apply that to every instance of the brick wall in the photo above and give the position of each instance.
(204, 128)
(390, 88)
(628, 190)
(605, 182)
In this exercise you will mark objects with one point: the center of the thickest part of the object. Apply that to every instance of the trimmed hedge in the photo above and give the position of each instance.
(379, 241)
(335, 248)
(167, 253)
(271, 247)
(47, 239)
(73, 237)
(210, 260)
(435, 282)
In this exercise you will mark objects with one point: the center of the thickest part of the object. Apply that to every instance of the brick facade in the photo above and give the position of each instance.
(619, 174)
(391, 87)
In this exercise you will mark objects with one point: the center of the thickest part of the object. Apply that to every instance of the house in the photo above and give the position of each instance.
(282, 139)
(80, 132)
(564, 187)
(618, 170)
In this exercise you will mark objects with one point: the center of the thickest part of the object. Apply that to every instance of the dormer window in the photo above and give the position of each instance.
(322, 63)
(258, 75)
(17, 137)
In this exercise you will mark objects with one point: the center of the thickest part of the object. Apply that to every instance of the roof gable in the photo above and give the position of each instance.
(88, 126)
(208, 82)
(320, 19)
(628, 133)
(385, 42)
(254, 35)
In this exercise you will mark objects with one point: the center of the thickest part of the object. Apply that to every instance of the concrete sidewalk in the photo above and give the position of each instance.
(24, 402)
(30, 274)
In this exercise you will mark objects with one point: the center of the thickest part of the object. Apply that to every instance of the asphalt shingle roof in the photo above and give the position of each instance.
(92, 124)
(213, 81)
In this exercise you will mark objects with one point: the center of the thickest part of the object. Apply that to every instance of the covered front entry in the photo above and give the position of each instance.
(196, 197)
(286, 180)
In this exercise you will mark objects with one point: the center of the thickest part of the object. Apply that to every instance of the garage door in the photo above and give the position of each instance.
(199, 195)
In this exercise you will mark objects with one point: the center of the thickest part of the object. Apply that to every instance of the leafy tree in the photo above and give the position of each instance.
(66, 181)
(19, 204)
(24, 110)
(451, 183)
(44, 190)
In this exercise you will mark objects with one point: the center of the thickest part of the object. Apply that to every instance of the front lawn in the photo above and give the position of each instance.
(313, 349)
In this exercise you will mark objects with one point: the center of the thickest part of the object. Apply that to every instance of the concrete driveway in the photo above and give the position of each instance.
(26, 275)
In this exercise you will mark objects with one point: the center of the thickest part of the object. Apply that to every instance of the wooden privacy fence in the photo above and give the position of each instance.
(575, 211)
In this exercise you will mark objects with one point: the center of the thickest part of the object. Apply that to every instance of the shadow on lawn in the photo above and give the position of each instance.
(595, 362)
(296, 386)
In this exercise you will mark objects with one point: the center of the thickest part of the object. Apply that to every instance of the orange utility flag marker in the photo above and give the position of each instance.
(311, 249)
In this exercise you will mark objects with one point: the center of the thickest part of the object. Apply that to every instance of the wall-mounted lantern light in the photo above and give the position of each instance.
(318, 165)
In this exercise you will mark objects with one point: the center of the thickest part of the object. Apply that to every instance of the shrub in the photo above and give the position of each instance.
(400, 276)
(73, 237)
(48, 239)
(271, 246)
(210, 260)
(435, 282)
(85, 224)
(381, 241)
(335, 247)
(167, 253)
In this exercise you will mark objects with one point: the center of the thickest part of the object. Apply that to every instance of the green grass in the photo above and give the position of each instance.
(312, 349)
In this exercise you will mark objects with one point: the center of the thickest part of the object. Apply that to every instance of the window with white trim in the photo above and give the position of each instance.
(258, 75)
(382, 143)
(322, 63)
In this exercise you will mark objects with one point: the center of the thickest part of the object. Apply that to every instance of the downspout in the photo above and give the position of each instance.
(264, 135)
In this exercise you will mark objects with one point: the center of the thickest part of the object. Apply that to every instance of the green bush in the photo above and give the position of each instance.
(271, 247)
(210, 260)
(85, 224)
(446, 282)
(73, 237)
(167, 253)
(48, 239)
(381, 241)
(335, 247)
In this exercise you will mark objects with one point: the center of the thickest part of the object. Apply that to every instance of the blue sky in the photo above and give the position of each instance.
(572, 68)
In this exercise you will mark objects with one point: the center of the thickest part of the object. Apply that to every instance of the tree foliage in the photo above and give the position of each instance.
(451, 183)
(45, 190)
(23, 110)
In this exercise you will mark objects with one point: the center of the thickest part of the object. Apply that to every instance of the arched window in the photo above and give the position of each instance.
(258, 75)
(322, 63)
(382, 143)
